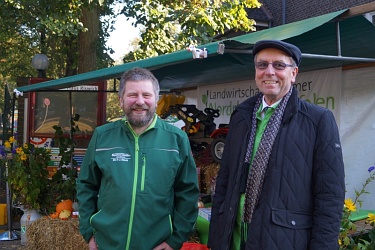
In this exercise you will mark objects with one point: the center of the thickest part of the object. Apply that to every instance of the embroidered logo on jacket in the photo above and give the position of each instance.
(120, 157)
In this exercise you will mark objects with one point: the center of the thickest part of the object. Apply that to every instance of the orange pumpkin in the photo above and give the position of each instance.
(54, 215)
(65, 205)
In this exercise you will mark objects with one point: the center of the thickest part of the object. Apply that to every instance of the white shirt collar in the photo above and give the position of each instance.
(265, 105)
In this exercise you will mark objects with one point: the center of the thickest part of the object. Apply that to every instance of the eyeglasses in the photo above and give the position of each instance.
(275, 65)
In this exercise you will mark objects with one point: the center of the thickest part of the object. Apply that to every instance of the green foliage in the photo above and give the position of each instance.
(28, 27)
(64, 180)
(66, 144)
(350, 236)
(28, 175)
(174, 25)
(372, 238)
(113, 109)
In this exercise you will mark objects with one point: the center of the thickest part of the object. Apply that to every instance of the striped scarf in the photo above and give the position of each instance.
(258, 168)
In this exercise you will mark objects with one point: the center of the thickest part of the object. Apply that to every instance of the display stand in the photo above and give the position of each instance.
(10, 234)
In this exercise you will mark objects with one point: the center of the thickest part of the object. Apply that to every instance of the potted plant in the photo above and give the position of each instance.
(27, 177)
(27, 174)
(350, 236)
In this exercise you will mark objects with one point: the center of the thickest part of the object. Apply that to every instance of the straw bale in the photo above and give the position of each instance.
(208, 175)
(194, 238)
(46, 234)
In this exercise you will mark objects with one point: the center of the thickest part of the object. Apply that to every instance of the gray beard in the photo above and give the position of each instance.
(137, 122)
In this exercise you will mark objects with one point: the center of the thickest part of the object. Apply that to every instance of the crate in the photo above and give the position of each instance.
(3, 214)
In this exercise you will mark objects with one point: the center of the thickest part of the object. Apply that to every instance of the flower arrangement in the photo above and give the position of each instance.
(350, 236)
(27, 173)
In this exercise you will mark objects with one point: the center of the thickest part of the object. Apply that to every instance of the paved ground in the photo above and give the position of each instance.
(12, 245)
(4, 234)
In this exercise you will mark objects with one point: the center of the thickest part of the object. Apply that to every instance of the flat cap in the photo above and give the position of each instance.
(288, 48)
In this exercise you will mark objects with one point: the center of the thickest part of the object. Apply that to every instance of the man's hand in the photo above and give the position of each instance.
(162, 246)
(92, 244)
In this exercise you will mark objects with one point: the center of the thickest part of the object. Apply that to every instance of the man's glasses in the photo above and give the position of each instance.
(275, 65)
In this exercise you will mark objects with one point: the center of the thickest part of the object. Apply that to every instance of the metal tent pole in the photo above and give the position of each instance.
(10, 234)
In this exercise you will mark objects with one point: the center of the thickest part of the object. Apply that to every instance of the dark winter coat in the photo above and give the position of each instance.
(303, 192)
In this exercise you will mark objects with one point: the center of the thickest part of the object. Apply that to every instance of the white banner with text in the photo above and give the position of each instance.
(322, 87)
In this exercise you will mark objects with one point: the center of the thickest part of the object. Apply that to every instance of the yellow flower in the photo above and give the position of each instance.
(11, 139)
(23, 157)
(371, 218)
(7, 144)
(349, 204)
(19, 150)
(26, 145)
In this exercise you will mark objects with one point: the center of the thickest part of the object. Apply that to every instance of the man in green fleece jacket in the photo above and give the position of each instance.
(137, 188)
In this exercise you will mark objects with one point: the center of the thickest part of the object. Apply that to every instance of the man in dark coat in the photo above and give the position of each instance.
(281, 180)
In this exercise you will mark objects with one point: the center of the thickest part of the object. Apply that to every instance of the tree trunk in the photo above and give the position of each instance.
(71, 56)
(88, 40)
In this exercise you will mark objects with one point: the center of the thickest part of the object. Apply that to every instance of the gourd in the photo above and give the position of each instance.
(64, 205)
(65, 214)
(54, 215)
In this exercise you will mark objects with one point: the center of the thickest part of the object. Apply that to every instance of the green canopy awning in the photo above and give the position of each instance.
(316, 37)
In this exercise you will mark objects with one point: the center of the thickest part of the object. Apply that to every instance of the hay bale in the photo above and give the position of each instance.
(46, 234)
(194, 238)
(208, 175)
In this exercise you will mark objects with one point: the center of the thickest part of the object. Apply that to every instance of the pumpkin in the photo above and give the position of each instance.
(65, 214)
(54, 215)
(64, 205)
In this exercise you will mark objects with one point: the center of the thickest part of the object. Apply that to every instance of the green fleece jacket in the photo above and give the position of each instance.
(134, 192)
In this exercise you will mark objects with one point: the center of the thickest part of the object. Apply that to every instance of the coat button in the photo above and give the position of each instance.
(293, 223)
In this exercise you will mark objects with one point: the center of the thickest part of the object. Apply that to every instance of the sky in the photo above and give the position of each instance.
(121, 37)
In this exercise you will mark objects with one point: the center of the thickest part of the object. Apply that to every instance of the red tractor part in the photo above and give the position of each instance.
(217, 145)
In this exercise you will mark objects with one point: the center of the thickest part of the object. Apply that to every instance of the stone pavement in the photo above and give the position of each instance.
(12, 245)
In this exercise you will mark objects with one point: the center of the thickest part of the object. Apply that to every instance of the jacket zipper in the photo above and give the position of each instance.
(143, 172)
(136, 158)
